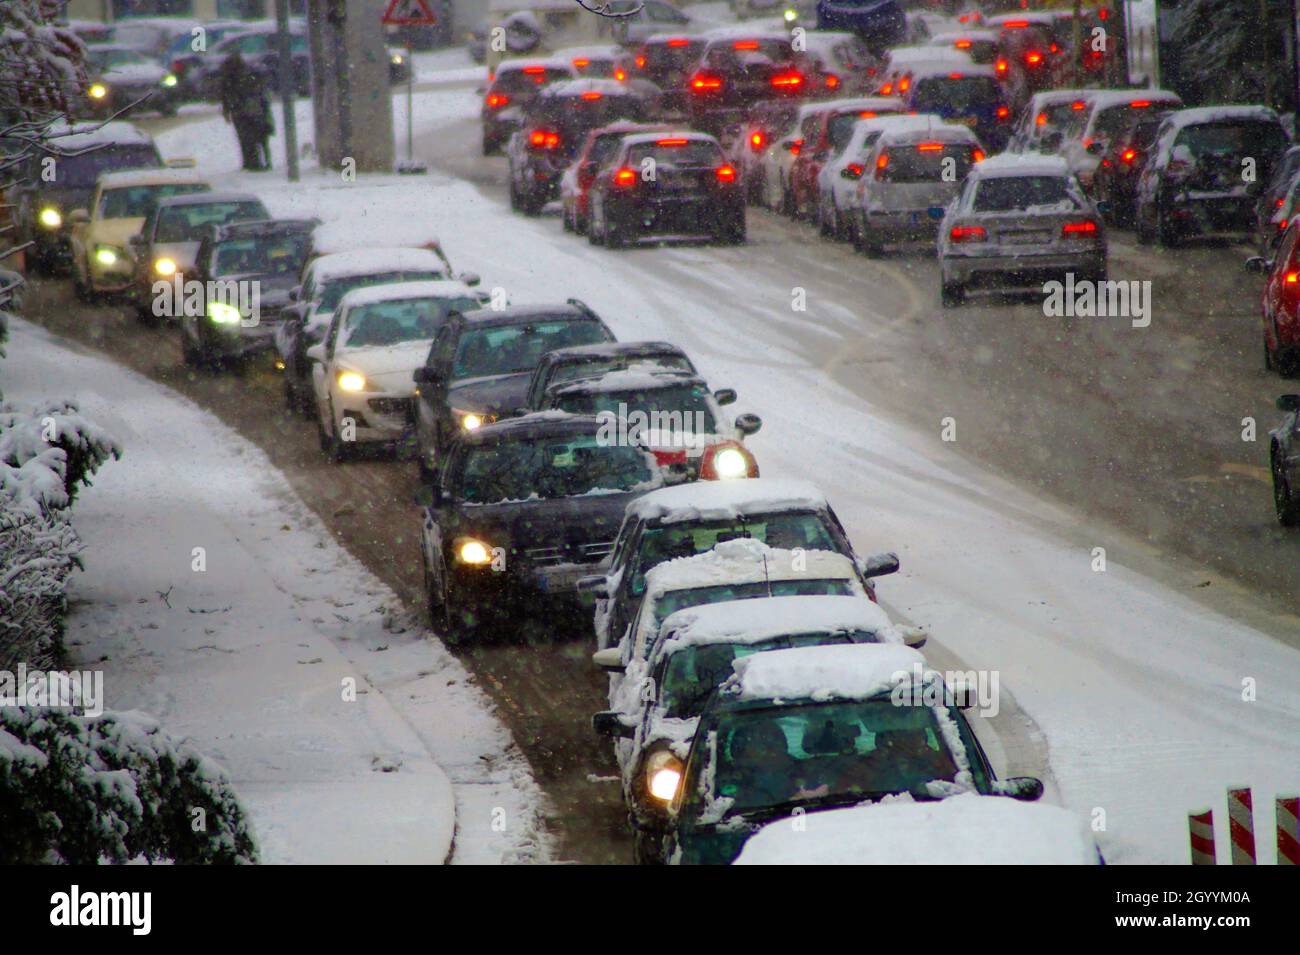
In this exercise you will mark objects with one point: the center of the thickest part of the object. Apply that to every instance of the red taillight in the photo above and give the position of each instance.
(592, 95)
(1040, 119)
(795, 146)
(962, 44)
(886, 89)
(1016, 24)
(726, 174)
(1078, 105)
(1083, 227)
(1004, 112)
(708, 468)
(855, 170)
(929, 147)
(904, 84)
(977, 155)
(640, 62)
(534, 70)
(1292, 278)
(670, 142)
(625, 177)
(745, 45)
(1128, 155)
(1140, 103)
(1280, 203)
(678, 42)
(619, 74)
(756, 141)
(1033, 58)
(967, 233)
(882, 163)
(543, 139)
(832, 81)
(954, 76)
(497, 100)
(703, 82)
(581, 63)
(867, 114)
(1001, 66)
(1281, 226)
(787, 81)
(1053, 48)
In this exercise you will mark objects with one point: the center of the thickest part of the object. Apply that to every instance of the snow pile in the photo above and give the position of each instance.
(841, 671)
(961, 830)
(753, 621)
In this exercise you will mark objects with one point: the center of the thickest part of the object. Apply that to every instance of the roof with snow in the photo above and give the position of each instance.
(607, 52)
(1046, 98)
(1020, 164)
(368, 261)
(549, 62)
(1104, 99)
(952, 36)
(746, 561)
(963, 830)
(400, 291)
(925, 71)
(63, 138)
(864, 103)
(640, 139)
(939, 132)
(753, 621)
(205, 198)
(643, 377)
(350, 234)
(612, 350)
(825, 40)
(909, 55)
(726, 500)
(1218, 114)
(577, 87)
(855, 671)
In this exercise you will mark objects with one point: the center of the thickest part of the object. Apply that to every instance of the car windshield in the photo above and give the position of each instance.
(693, 673)
(132, 202)
(818, 751)
(190, 223)
(263, 255)
(403, 320)
(683, 409)
(549, 468)
(925, 162)
(333, 290)
(82, 169)
(513, 349)
(594, 369)
(789, 529)
(670, 152)
(944, 94)
(1025, 193)
(669, 602)
(1117, 121)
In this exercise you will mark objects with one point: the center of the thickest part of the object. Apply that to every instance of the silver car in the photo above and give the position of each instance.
(1019, 221)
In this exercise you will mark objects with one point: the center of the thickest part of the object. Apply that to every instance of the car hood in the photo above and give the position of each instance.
(387, 367)
(114, 231)
(564, 523)
(499, 394)
(182, 253)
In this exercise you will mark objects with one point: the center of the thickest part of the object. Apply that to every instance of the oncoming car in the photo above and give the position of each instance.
(521, 509)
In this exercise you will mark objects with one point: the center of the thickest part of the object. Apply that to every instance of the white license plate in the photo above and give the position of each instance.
(1026, 238)
(556, 580)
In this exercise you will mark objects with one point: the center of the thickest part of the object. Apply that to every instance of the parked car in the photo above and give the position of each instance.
(99, 234)
(1019, 221)
(259, 48)
(362, 371)
(512, 89)
(575, 184)
(520, 510)
(480, 364)
(693, 191)
(1281, 302)
(1195, 183)
(1284, 460)
(593, 361)
(811, 729)
(1110, 115)
(245, 271)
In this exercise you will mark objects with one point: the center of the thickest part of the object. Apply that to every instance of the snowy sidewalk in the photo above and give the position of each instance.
(217, 603)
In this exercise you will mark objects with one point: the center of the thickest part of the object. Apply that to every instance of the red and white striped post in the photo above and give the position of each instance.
(1201, 825)
(1241, 826)
(1288, 838)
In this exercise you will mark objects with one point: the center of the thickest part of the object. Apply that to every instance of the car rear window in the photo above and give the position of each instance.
(191, 223)
(1062, 116)
(1233, 139)
(1117, 120)
(1025, 193)
(691, 152)
(681, 410)
(924, 162)
(594, 369)
(944, 93)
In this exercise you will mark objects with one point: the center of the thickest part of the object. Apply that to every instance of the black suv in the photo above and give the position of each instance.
(592, 361)
(735, 73)
(514, 86)
(480, 364)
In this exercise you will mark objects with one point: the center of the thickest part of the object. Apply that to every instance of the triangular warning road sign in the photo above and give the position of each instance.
(409, 13)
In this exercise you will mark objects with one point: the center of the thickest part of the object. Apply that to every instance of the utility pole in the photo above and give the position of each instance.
(287, 81)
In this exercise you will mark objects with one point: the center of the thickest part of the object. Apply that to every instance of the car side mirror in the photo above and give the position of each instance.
(316, 353)
(78, 217)
(1095, 148)
(725, 396)
(913, 637)
(747, 424)
(1258, 264)
(424, 375)
(610, 659)
(878, 565)
(1288, 403)
(595, 587)
(1024, 788)
(470, 278)
(608, 723)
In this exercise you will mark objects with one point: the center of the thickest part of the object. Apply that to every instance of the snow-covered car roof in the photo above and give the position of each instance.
(604, 350)
(752, 621)
(854, 671)
(404, 290)
(1217, 114)
(1104, 99)
(909, 55)
(350, 234)
(824, 41)
(521, 63)
(367, 261)
(1020, 164)
(206, 198)
(745, 561)
(904, 134)
(581, 85)
(873, 103)
(952, 36)
(637, 378)
(1030, 17)
(741, 31)
(640, 139)
(64, 138)
(963, 830)
(571, 53)
(128, 178)
(726, 500)
(926, 71)
(689, 36)
(1047, 98)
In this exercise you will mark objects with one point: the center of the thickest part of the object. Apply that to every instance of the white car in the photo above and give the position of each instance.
(1049, 120)
(837, 183)
(904, 60)
(362, 372)
(779, 156)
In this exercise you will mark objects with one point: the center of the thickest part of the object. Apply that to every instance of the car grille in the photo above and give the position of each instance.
(393, 406)
(570, 554)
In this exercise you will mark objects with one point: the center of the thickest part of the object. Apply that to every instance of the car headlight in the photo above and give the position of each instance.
(472, 420)
(51, 218)
(97, 91)
(730, 463)
(397, 59)
(165, 266)
(351, 381)
(663, 774)
(106, 255)
(169, 80)
(791, 16)
(223, 313)
(473, 552)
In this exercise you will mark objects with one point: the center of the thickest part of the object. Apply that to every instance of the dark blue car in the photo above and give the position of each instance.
(880, 23)
(966, 95)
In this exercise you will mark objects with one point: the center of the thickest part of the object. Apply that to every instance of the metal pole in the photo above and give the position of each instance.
(287, 89)
(410, 97)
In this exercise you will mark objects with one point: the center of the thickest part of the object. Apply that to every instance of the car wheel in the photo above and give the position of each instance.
(335, 448)
(189, 354)
(872, 247)
(1288, 507)
(580, 224)
(952, 294)
(454, 623)
(531, 205)
(490, 146)
(514, 195)
(787, 202)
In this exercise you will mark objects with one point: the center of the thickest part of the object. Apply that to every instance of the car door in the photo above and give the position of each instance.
(322, 372)
(1284, 264)
(428, 406)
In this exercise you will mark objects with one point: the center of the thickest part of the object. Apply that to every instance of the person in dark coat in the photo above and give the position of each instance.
(246, 104)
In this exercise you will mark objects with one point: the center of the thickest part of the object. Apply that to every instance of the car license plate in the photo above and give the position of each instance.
(1026, 238)
(558, 580)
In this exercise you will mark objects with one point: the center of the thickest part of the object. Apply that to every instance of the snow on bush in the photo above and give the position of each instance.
(115, 788)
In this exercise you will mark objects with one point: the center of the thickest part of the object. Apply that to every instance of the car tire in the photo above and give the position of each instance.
(146, 317)
(580, 224)
(490, 146)
(190, 357)
(335, 449)
(531, 206)
(872, 247)
(787, 202)
(1144, 234)
(952, 294)
(514, 195)
(566, 221)
(1284, 499)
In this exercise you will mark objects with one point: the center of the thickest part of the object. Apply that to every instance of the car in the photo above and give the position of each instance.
(1049, 120)
(245, 272)
(1110, 115)
(962, 831)
(837, 63)
(1281, 302)
(480, 363)
(514, 86)
(1114, 185)
(153, 36)
(1284, 461)
(746, 143)
(912, 175)
(100, 233)
(1194, 182)
(120, 79)
(896, 74)
(980, 45)
(325, 280)
(823, 135)
(880, 23)
(1271, 230)
(667, 184)
(838, 180)
(780, 149)
(653, 713)
(353, 234)
(1019, 221)
(1028, 48)
(1285, 172)
(587, 361)
(736, 71)
(46, 192)
(968, 97)
(1087, 64)
(810, 729)
(362, 371)
(611, 62)
(691, 519)
(635, 21)
(259, 48)
(181, 57)
(164, 249)
(575, 184)
(521, 509)
(555, 126)
(667, 60)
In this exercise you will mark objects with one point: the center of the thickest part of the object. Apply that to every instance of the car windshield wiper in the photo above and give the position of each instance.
(829, 801)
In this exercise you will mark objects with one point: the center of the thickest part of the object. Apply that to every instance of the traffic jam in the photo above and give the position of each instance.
(613, 488)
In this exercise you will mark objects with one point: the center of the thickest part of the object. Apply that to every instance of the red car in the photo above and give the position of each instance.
(830, 130)
(1281, 304)
(575, 184)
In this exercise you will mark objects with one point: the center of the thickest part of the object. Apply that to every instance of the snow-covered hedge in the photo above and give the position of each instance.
(83, 790)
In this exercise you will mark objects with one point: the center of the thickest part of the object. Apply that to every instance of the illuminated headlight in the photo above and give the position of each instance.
(169, 80)
(397, 59)
(223, 313)
(472, 420)
(106, 255)
(790, 16)
(351, 381)
(98, 91)
(165, 266)
(51, 218)
(663, 773)
(730, 463)
(470, 551)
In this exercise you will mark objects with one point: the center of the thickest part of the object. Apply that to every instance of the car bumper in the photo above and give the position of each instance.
(109, 279)
(240, 341)
(1020, 271)
(685, 215)
(379, 418)
(1213, 217)
(904, 225)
